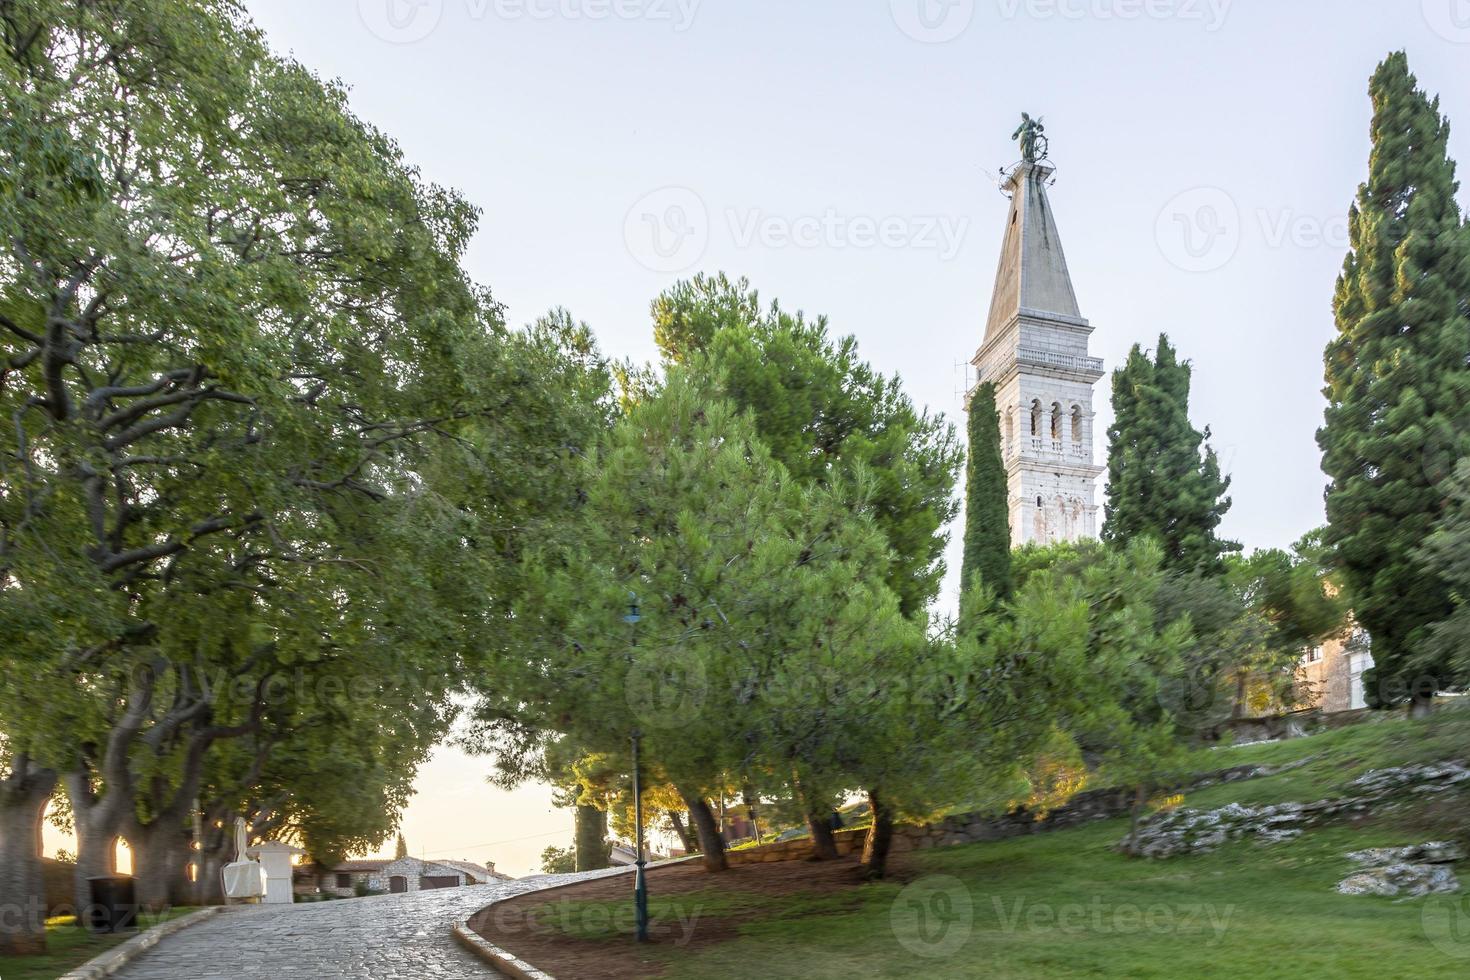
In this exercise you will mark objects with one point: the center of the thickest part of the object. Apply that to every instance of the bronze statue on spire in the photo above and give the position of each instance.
(1032, 136)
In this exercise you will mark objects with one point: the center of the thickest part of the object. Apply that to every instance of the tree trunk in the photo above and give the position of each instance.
(879, 840)
(160, 862)
(711, 844)
(24, 793)
(591, 839)
(687, 837)
(1140, 798)
(1237, 709)
(824, 844)
(97, 832)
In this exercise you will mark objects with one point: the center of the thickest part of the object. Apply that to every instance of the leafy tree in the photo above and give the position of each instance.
(1446, 554)
(1163, 479)
(261, 418)
(558, 860)
(823, 412)
(987, 510)
(1398, 385)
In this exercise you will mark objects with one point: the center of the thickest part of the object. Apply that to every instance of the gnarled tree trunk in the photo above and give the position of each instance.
(879, 840)
(711, 844)
(24, 792)
(160, 862)
(98, 826)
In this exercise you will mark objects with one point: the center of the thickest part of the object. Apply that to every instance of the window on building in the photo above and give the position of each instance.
(1077, 425)
(1036, 417)
(344, 880)
(1056, 421)
(1315, 655)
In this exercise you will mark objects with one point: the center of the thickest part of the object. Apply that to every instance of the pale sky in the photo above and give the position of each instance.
(842, 153)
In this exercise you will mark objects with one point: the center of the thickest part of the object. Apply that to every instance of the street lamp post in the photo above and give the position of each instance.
(640, 880)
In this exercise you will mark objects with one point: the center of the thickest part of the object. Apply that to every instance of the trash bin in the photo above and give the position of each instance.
(113, 908)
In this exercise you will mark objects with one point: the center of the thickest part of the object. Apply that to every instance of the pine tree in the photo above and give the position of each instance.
(401, 851)
(987, 516)
(1163, 478)
(1398, 384)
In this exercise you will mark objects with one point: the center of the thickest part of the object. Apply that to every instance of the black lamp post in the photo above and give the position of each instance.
(640, 880)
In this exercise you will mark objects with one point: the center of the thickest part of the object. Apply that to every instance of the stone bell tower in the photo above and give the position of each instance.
(1035, 353)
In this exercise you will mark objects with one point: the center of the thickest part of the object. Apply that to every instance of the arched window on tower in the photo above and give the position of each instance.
(1056, 427)
(1077, 437)
(1010, 432)
(1036, 423)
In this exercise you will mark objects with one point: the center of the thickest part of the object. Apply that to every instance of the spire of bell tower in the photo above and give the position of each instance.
(1035, 353)
(1032, 274)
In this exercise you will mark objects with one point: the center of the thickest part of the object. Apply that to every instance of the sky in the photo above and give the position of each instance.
(843, 154)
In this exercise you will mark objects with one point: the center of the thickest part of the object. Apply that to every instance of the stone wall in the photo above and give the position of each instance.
(972, 828)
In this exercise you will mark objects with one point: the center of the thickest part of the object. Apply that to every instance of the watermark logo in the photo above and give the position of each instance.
(1210, 14)
(942, 234)
(933, 917)
(1450, 19)
(1446, 920)
(666, 688)
(400, 21)
(1199, 230)
(933, 21)
(668, 230)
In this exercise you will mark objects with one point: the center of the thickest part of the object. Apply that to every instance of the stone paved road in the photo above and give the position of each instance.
(394, 937)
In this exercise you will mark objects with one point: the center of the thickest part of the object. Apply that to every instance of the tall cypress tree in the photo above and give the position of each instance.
(1398, 383)
(987, 515)
(1163, 479)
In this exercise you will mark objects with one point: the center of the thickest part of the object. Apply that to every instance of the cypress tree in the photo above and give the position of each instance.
(1398, 384)
(1164, 480)
(987, 514)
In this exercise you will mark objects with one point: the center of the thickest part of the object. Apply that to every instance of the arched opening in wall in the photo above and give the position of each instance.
(1056, 420)
(1010, 432)
(1036, 417)
(1077, 425)
(1040, 504)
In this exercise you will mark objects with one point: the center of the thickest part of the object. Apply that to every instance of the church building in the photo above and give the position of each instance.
(1035, 352)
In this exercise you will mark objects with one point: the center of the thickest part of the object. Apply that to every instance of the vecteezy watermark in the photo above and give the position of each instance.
(943, 234)
(933, 917)
(933, 21)
(1114, 919)
(665, 688)
(410, 21)
(1201, 230)
(401, 21)
(667, 230)
(670, 229)
(673, 924)
(1210, 14)
(1450, 19)
(1446, 921)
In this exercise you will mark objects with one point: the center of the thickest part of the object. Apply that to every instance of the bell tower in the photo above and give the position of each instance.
(1035, 352)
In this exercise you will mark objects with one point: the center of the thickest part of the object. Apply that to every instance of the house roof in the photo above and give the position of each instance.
(479, 871)
(359, 866)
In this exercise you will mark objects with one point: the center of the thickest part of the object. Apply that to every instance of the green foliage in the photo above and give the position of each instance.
(1164, 481)
(1398, 384)
(1447, 556)
(987, 512)
(558, 860)
(824, 414)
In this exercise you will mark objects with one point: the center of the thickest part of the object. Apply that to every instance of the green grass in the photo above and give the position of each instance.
(1067, 905)
(68, 947)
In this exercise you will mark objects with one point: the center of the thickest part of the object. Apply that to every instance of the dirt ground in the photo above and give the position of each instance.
(516, 926)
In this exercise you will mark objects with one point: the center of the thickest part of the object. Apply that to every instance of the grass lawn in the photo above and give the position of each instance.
(68, 947)
(1066, 905)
